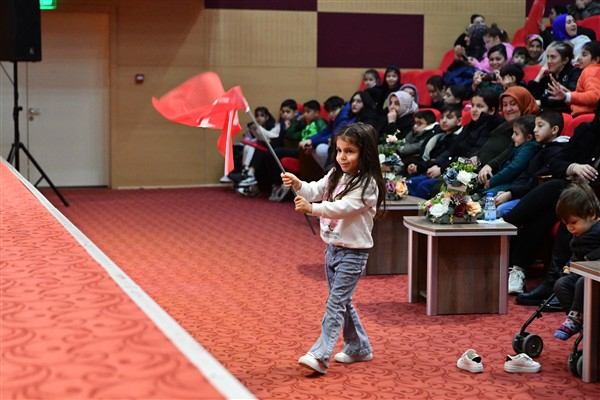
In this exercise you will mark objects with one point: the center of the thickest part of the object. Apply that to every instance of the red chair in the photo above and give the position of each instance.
(410, 76)
(447, 60)
(421, 84)
(530, 72)
(567, 118)
(291, 164)
(592, 22)
(466, 116)
(570, 128)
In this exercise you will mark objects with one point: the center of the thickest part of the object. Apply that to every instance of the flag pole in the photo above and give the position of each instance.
(228, 148)
(266, 140)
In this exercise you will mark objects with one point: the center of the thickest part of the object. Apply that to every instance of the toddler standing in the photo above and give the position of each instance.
(349, 197)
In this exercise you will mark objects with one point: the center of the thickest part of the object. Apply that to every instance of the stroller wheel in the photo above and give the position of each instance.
(533, 345)
(517, 343)
(576, 362)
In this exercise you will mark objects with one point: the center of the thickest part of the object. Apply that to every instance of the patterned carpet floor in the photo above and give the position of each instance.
(244, 276)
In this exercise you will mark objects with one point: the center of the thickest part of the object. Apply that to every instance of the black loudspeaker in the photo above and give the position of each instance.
(20, 30)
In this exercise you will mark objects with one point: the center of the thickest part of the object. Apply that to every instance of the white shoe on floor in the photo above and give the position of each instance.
(521, 363)
(309, 361)
(342, 357)
(470, 361)
(516, 281)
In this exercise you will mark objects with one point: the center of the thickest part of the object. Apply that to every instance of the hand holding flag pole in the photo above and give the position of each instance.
(266, 140)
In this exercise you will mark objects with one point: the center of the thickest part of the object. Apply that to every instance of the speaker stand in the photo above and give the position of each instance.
(18, 145)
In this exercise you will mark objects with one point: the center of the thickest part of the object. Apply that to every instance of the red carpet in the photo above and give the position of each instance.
(244, 277)
(68, 330)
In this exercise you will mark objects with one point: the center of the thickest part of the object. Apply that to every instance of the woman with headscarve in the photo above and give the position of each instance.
(516, 101)
(534, 44)
(401, 108)
(564, 28)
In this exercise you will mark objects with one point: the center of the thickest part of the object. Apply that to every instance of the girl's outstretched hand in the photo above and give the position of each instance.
(292, 180)
(302, 205)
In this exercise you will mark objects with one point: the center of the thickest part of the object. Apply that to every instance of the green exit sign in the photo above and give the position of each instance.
(47, 4)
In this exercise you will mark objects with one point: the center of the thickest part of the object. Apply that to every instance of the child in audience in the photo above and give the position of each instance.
(587, 90)
(549, 124)
(412, 90)
(346, 200)
(422, 176)
(338, 112)
(400, 116)
(425, 126)
(391, 82)
(492, 37)
(524, 149)
(455, 94)
(436, 88)
(373, 86)
(314, 124)
(511, 75)
(519, 56)
(579, 210)
(269, 130)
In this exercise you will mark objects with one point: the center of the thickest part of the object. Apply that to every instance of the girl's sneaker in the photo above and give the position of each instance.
(311, 362)
(521, 363)
(570, 327)
(470, 361)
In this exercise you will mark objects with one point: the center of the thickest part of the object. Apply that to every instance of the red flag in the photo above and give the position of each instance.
(201, 101)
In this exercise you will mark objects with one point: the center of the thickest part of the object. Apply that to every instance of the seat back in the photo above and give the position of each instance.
(447, 60)
(530, 72)
(570, 128)
(421, 84)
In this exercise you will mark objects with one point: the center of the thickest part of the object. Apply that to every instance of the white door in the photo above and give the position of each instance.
(65, 100)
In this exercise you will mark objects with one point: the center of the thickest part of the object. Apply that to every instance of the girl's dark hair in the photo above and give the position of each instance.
(500, 48)
(437, 82)
(375, 73)
(368, 109)
(392, 68)
(564, 49)
(364, 136)
(526, 123)
(270, 122)
(593, 48)
(577, 199)
(289, 103)
(513, 70)
(494, 31)
(489, 97)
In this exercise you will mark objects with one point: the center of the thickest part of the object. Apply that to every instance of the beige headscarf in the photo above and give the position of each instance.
(407, 104)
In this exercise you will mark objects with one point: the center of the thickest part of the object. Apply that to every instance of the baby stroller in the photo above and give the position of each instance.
(530, 343)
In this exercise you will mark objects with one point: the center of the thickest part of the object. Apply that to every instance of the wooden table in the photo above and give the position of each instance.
(590, 270)
(460, 268)
(390, 238)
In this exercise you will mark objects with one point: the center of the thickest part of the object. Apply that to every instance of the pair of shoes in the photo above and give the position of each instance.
(521, 363)
(226, 179)
(249, 181)
(342, 357)
(569, 327)
(470, 361)
(250, 191)
(537, 296)
(311, 362)
(516, 281)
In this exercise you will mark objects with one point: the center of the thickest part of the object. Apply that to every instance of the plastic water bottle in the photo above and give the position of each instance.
(489, 207)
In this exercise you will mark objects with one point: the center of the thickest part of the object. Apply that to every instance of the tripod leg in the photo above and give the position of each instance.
(41, 171)
(11, 154)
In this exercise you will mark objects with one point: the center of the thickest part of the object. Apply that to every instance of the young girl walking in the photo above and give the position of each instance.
(350, 196)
